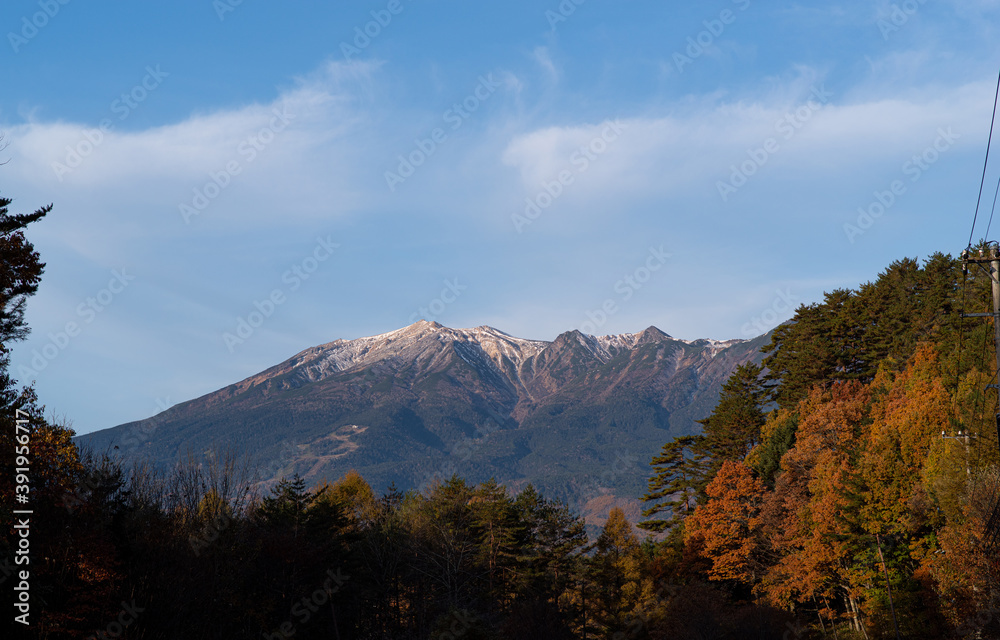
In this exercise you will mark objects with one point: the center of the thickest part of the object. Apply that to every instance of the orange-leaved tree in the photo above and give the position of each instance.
(728, 526)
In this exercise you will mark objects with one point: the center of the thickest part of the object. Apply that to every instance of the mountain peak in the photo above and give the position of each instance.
(652, 334)
(427, 323)
(393, 405)
(496, 350)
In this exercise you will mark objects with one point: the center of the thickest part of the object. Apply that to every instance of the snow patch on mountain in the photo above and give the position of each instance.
(342, 355)
(497, 348)
(499, 345)
(605, 348)
(715, 346)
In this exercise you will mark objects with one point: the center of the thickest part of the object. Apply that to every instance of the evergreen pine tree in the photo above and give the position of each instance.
(677, 477)
(733, 429)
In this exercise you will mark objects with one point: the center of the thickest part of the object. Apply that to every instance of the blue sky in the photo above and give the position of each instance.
(532, 166)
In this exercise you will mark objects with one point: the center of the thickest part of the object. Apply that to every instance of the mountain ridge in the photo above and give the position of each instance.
(414, 403)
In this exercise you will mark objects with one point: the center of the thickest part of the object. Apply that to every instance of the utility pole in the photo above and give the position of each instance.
(989, 254)
(995, 282)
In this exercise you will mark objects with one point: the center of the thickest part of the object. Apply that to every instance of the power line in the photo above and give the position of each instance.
(989, 143)
(993, 209)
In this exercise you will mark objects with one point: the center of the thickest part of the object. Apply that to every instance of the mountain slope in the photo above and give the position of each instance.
(580, 417)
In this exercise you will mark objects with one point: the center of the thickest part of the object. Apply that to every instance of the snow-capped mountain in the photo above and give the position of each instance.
(579, 416)
(412, 343)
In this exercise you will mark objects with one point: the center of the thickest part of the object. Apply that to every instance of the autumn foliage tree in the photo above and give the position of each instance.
(686, 465)
(728, 527)
(862, 502)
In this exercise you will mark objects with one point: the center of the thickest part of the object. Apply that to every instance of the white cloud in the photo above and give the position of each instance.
(666, 155)
(319, 110)
(544, 60)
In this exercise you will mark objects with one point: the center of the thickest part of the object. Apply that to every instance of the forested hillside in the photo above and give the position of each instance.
(850, 479)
